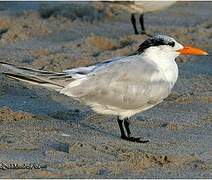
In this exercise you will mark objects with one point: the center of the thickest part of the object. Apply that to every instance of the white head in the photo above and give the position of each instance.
(165, 46)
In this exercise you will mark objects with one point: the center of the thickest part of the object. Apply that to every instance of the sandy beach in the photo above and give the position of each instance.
(59, 137)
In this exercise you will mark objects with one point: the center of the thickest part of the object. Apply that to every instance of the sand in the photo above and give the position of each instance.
(65, 138)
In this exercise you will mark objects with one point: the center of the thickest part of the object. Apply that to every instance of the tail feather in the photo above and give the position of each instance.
(52, 80)
(29, 70)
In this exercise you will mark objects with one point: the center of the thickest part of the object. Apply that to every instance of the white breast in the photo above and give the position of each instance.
(170, 71)
(165, 63)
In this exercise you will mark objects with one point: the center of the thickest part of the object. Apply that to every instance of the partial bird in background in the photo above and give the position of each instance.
(135, 7)
(122, 86)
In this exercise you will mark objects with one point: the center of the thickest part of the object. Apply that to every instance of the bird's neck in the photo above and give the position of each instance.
(165, 63)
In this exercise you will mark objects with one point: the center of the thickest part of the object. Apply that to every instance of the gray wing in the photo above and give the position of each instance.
(81, 72)
(126, 83)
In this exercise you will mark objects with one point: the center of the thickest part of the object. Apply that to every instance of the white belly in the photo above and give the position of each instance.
(122, 113)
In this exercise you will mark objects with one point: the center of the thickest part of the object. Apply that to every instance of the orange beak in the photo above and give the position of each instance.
(188, 50)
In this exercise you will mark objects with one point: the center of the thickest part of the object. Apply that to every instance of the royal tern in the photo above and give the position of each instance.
(122, 86)
(141, 7)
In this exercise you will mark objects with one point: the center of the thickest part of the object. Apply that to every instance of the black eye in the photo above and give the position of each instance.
(171, 44)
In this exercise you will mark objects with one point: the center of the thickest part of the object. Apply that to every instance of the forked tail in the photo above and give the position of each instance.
(51, 80)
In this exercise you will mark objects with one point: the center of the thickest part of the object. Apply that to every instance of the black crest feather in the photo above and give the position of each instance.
(154, 41)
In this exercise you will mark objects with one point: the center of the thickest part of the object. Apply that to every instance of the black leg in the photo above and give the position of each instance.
(133, 20)
(143, 31)
(126, 124)
(120, 123)
(141, 20)
(128, 137)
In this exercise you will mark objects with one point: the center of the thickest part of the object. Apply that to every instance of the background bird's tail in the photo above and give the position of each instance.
(51, 80)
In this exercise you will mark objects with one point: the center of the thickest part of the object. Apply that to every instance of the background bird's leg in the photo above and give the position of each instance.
(133, 20)
(141, 20)
(120, 123)
(126, 124)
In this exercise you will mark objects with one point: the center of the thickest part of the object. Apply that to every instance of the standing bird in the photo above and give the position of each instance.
(122, 86)
(141, 7)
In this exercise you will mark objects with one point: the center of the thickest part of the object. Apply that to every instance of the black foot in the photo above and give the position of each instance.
(127, 136)
(133, 139)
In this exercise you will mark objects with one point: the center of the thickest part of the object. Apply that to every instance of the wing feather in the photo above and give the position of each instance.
(126, 83)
